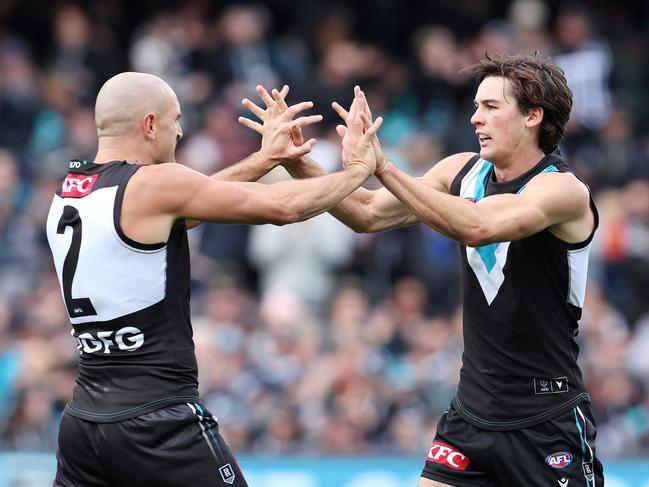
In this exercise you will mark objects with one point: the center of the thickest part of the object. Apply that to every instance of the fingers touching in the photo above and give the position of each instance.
(362, 106)
(282, 134)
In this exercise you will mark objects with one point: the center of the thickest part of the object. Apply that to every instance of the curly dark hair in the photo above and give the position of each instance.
(535, 82)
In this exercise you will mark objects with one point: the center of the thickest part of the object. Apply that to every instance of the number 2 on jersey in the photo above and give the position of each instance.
(77, 307)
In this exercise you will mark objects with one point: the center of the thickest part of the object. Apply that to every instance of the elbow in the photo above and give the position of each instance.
(367, 222)
(475, 237)
(284, 215)
(361, 227)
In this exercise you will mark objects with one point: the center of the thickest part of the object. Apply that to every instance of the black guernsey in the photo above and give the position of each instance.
(522, 301)
(128, 302)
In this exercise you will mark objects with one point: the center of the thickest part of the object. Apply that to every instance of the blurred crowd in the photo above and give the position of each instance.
(311, 338)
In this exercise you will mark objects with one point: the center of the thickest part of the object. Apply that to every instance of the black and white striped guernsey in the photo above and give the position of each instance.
(128, 302)
(522, 301)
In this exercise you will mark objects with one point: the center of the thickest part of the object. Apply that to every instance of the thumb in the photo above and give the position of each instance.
(342, 130)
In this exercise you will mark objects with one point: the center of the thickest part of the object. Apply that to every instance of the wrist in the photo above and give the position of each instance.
(294, 163)
(266, 159)
(358, 166)
(384, 168)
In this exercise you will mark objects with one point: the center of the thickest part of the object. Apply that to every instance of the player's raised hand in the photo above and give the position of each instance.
(357, 137)
(280, 99)
(281, 135)
(366, 116)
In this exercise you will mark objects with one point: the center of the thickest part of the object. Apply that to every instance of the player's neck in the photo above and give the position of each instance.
(120, 150)
(518, 164)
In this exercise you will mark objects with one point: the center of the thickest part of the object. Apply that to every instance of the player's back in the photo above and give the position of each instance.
(128, 302)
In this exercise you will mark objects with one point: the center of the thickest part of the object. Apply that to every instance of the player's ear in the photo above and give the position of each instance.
(149, 125)
(534, 117)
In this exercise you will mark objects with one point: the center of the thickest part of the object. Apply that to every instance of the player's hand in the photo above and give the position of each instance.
(357, 137)
(281, 135)
(280, 99)
(381, 159)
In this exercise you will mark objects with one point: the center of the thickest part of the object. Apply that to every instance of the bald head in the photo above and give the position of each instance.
(126, 98)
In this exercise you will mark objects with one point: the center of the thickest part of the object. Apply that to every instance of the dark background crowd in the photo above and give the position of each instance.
(310, 338)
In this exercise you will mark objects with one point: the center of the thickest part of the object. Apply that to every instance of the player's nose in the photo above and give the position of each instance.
(477, 118)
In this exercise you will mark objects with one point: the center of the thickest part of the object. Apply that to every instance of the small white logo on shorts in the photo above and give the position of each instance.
(227, 474)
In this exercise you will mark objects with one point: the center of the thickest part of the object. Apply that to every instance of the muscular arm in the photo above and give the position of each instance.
(375, 211)
(553, 200)
(283, 202)
(158, 195)
(249, 169)
(357, 210)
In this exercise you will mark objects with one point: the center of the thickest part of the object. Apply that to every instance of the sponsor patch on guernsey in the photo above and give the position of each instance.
(560, 459)
(78, 185)
(448, 456)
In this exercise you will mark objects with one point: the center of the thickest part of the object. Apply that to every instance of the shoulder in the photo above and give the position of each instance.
(558, 182)
(562, 189)
(163, 178)
(446, 170)
(167, 171)
(459, 159)
(160, 187)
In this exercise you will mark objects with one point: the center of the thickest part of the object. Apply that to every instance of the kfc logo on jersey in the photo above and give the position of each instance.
(559, 459)
(447, 455)
(78, 185)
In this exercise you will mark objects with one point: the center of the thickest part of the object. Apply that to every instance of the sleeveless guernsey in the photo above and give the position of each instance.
(128, 302)
(522, 301)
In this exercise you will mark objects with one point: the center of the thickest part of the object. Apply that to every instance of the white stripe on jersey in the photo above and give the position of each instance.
(490, 279)
(467, 185)
(578, 273)
(118, 278)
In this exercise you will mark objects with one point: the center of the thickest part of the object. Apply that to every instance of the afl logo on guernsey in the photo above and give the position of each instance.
(559, 459)
(78, 185)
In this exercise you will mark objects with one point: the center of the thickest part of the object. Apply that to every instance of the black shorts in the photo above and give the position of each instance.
(557, 453)
(174, 446)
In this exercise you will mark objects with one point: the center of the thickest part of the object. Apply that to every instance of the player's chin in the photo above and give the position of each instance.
(486, 153)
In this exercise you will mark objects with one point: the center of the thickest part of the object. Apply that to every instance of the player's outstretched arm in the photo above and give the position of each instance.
(277, 146)
(558, 201)
(171, 191)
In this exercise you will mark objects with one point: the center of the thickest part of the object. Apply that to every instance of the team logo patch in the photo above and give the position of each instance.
(227, 474)
(447, 455)
(546, 385)
(588, 470)
(560, 459)
(78, 185)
